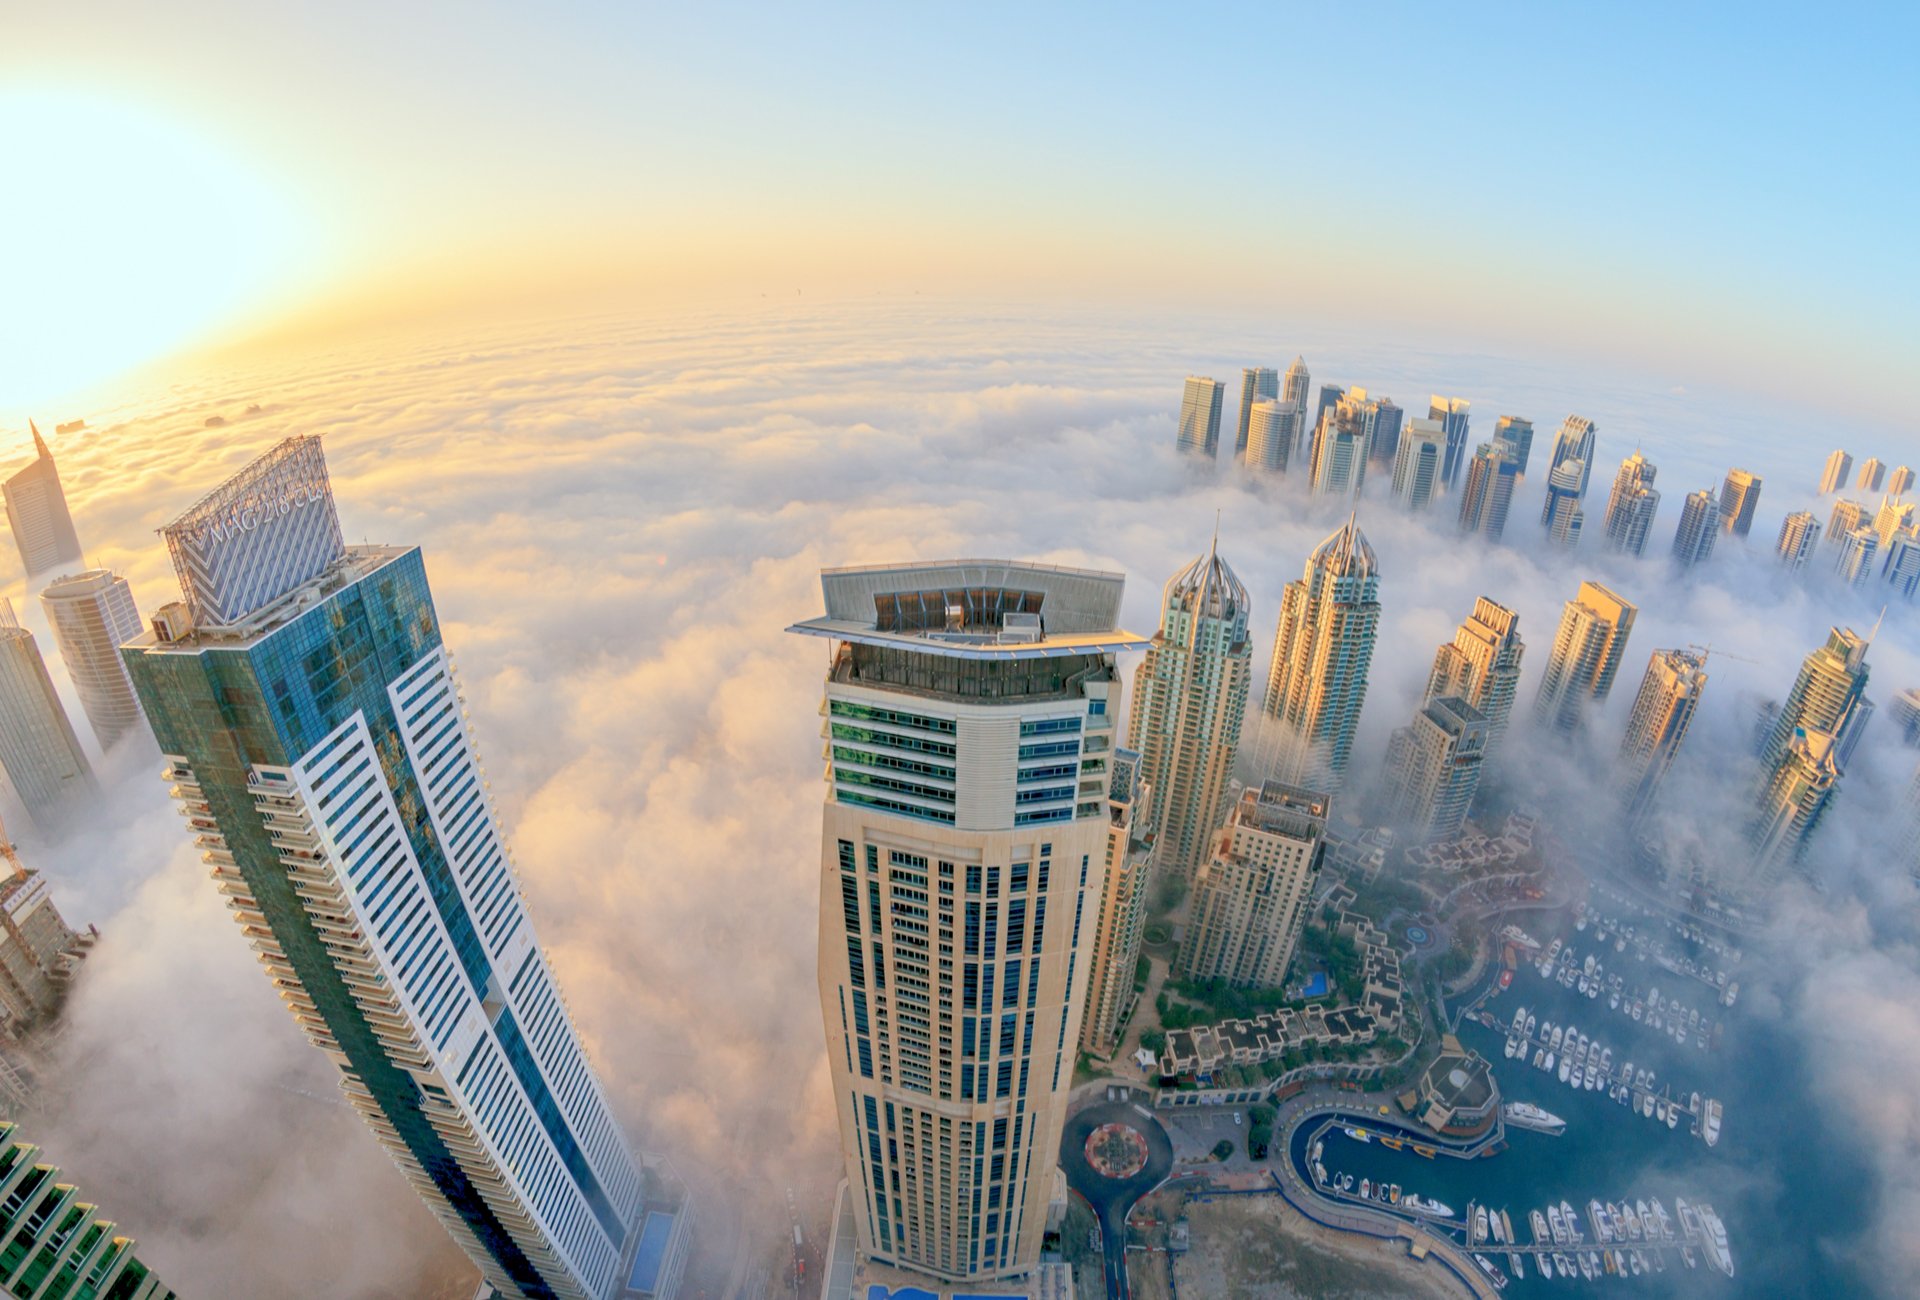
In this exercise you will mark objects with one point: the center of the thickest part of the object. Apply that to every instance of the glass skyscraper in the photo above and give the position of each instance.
(317, 746)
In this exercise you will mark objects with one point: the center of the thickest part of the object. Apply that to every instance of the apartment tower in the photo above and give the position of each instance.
(1257, 384)
(1575, 441)
(1587, 649)
(1487, 499)
(1323, 646)
(1417, 464)
(1632, 505)
(60, 1244)
(312, 731)
(44, 763)
(1451, 414)
(969, 728)
(1739, 498)
(1829, 695)
(1838, 469)
(1122, 920)
(1189, 699)
(1799, 535)
(1433, 769)
(1662, 712)
(1518, 434)
(1251, 898)
(1200, 416)
(1481, 665)
(1699, 525)
(92, 615)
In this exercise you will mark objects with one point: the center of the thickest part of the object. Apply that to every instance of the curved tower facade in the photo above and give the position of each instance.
(1322, 649)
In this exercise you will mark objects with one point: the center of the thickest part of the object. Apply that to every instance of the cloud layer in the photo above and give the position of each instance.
(619, 517)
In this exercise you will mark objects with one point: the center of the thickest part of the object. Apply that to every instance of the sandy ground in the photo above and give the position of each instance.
(1259, 1248)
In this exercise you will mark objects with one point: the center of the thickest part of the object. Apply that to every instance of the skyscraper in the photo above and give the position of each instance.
(1257, 384)
(1662, 711)
(1792, 800)
(1189, 697)
(1828, 695)
(1632, 505)
(1855, 555)
(313, 734)
(59, 1245)
(44, 763)
(1122, 919)
(1699, 524)
(1799, 534)
(1518, 433)
(968, 708)
(1900, 481)
(1481, 665)
(1872, 474)
(1340, 449)
(1893, 516)
(1900, 567)
(1561, 515)
(38, 950)
(1296, 386)
(1574, 441)
(1587, 649)
(1273, 431)
(1433, 768)
(1846, 516)
(1739, 497)
(1416, 464)
(37, 514)
(1451, 414)
(1330, 395)
(1322, 649)
(1251, 897)
(92, 615)
(1487, 499)
(1834, 476)
(1200, 416)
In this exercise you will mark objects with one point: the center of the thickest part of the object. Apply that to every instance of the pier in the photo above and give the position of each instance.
(1611, 1079)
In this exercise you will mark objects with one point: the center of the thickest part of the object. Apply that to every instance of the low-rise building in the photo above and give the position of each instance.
(1456, 1095)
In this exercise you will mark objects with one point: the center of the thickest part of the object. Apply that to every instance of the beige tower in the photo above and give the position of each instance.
(92, 615)
(1322, 648)
(1250, 900)
(1122, 920)
(1189, 699)
(1662, 712)
(1481, 665)
(968, 737)
(1433, 769)
(1592, 637)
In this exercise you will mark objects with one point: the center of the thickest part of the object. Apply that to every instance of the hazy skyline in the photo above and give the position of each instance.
(1621, 184)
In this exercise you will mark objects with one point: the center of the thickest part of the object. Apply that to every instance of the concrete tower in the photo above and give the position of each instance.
(1322, 648)
(1829, 695)
(1699, 525)
(1487, 499)
(1122, 920)
(1417, 464)
(1189, 697)
(1519, 434)
(1200, 416)
(1481, 665)
(1873, 473)
(1451, 414)
(1433, 769)
(1575, 441)
(1799, 534)
(37, 514)
(1632, 505)
(92, 615)
(1251, 898)
(969, 717)
(1587, 649)
(1561, 515)
(1662, 711)
(42, 757)
(1834, 476)
(1739, 498)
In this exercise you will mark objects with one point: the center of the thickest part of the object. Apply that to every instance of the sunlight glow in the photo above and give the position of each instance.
(125, 235)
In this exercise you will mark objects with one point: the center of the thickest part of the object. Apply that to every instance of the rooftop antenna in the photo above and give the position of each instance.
(1215, 548)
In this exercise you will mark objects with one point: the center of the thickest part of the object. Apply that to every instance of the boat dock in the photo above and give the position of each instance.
(1637, 1092)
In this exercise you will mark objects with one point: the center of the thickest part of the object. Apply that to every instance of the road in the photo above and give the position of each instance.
(1112, 1198)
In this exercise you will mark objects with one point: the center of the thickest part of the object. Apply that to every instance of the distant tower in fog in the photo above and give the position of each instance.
(1451, 412)
(44, 763)
(1273, 430)
(1834, 476)
(1488, 496)
(1433, 768)
(1417, 462)
(1587, 649)
(1846, 516)
(1200, 416)
(37, 514)
(1799, 534)
(1632, 505)
(1894, 516)
(1518, 433)
(1828, 695)
(1900, 481)
(1699, 524)
(1561, 515)
(1481, 665)
(1662, 711)
(1575, 441)
(1854, 554)
(1872, 474)
(1257, 384)
(92, 615)
(1739, 496)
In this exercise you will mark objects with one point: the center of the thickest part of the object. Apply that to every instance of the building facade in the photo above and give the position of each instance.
(1873, 473)
(1900, 481)
(1481, 665)
(1561, 514)
(1739, 498)
(315, 740)
(1189, 702)
(1296, 388)
(1433, 769)
(1273, 430)
(1792, 801)
(1575, 441)
(92, 615)
(38, 516)
(1114, 951)
(1855, 556)
(38, 949)
(1662, 712)
(58, 1244)
(1200, 416)
(1587, 649)
(1517, 433)
(1323, 647)
(1417, 464)
(1632, 505)
(969, 728)
(1451, 414)
(1829, 696)
(1799, 535)
(1699, 525)
(42, 757)
(1838, 469)
(1251, 898)
(1257, 384)
(1487, 499)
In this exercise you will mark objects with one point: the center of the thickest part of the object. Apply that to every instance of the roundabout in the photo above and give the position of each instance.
(1114, 1153)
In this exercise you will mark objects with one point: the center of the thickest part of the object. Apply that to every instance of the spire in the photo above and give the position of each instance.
(39, 443)
(1214, 550)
